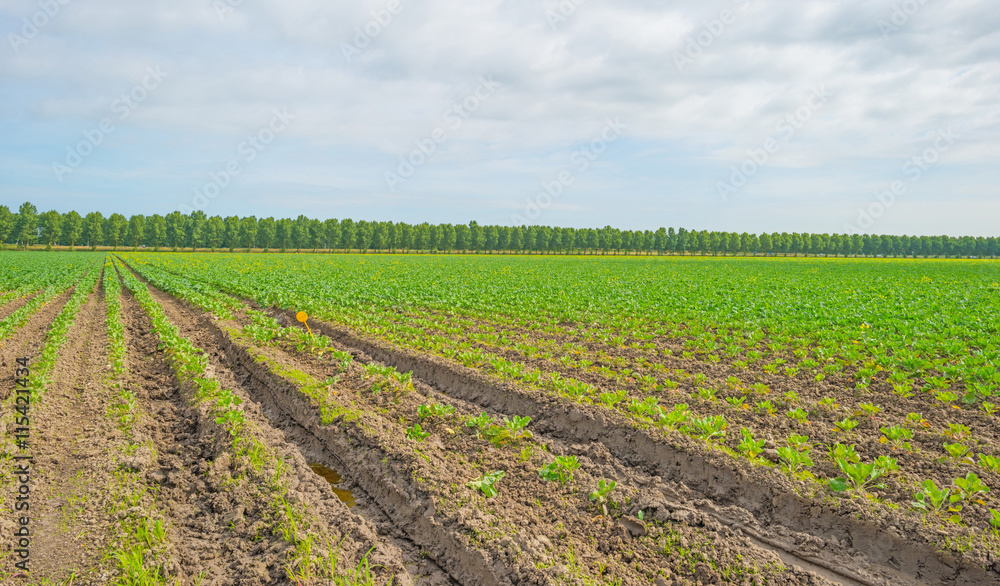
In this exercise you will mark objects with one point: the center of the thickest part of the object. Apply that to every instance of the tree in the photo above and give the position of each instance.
(197, 230)
(156, 231)
(51, 224)
(72, 227)
(215, 232)
(347, 234)
(284, 233)
(26, 228)
(137, 230)
(331, 230)
(267, 228)
(248, 231)
(94, 229)
(117, 224)
(6, 223)
(232, 237)
(176, 229)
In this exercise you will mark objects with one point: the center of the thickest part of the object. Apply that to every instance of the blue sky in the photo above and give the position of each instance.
(739, 115)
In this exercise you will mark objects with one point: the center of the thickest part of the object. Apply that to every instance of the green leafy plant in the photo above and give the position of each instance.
(708, 427)
(846, 426)
(798, 414)
(561, 470)
(750, 447)
(931, 499)
(991, 463)
(612, 399)
(959, 453)
(898, 436)
(674, 418)
(859, 477)
(487, 483)
(416, 433)
(601, 496)
(971, 487)
(437, 410)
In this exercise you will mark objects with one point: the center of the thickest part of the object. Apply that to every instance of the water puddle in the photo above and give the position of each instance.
(334, 479)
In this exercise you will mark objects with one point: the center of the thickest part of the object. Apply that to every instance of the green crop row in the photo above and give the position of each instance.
(189, 364)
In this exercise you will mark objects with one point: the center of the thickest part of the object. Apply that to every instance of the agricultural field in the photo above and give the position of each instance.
(491, 419)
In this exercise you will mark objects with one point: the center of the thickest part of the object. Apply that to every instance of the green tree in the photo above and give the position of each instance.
(176, 229)
(197, 230)
(94, 229)
(26, 228)
(6, 223)
(72, 228)
(117, 224)
(156, 231)
(51, 224)
(215, 232)
(266, 231)
(232, 237)
(137, 230)
(248, 231)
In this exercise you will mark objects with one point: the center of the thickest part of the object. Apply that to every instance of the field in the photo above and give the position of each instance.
(491, 419)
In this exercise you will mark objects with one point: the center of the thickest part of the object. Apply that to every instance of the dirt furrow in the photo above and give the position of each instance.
(857, 548)
(220, 521)
(73, 464)
(25, 342)
(14, 305)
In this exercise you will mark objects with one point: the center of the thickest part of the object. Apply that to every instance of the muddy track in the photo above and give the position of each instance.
(73, 462)
(25, 342)
(219, 528)
(832, 539)
(406, 511)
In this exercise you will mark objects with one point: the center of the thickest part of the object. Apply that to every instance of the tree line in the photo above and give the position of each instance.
(177, 231)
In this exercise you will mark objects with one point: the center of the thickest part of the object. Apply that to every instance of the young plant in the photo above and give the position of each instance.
(897, 436)
(612, 399)
(960, 453)
(859, 477)
(601, 496)
(931, 499)
(487, 483)
(798, 414)
(673, 419)
(416, 433)
(437, 410)
(708, 427)
(991, 463)
(480, 423)
(970, 487)
(750, 447)
(561, 470)
(795, 456)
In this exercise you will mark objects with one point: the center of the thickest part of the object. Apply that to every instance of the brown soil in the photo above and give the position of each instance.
(837, 537)
(25, 342)
(13, 305)
(219, 529)
(73, 441)
(927, 458)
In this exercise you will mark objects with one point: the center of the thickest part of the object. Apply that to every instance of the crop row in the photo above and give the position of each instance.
(314, 555)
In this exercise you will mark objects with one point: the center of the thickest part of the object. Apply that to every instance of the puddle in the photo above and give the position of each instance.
(334, 479)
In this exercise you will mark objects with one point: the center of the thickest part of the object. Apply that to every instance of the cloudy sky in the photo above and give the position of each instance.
(742, 115)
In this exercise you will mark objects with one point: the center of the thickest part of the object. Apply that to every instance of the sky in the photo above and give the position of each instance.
(867, 116)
